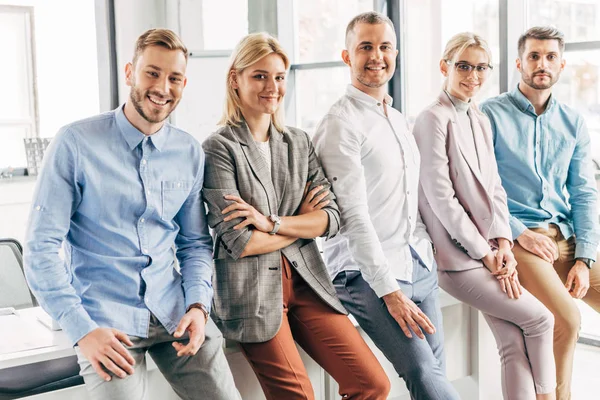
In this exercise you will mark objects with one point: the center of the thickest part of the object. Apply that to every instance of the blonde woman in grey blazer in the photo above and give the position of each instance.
(268, 199)
(463, 205)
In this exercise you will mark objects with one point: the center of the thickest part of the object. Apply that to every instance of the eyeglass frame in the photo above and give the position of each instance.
(472, 68)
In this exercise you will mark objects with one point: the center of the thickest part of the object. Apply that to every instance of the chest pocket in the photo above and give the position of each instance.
(173, 195)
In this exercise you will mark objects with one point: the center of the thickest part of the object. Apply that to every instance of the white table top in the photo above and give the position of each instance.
(61, 348)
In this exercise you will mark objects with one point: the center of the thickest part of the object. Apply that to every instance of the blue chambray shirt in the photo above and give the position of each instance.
(546, 168)
(124, 204)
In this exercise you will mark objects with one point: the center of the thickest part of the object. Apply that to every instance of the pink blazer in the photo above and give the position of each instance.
(462, 203)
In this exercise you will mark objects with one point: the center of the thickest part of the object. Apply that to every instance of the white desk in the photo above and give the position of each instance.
(469, 347)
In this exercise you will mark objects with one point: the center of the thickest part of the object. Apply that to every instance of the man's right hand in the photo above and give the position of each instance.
(406, 313)
(102, 347)
(538, 244)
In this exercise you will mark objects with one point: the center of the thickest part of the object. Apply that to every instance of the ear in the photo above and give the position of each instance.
(563, 62)
(233, 79)
(444, 67)
(518, 63)
(129, 81)
(184, 81)
(346, 58)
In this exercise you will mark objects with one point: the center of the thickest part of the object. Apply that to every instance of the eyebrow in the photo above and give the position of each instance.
(367, 42)
(266, 72)
(466, 62)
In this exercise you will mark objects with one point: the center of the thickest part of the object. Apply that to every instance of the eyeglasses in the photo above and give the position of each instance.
(465, 69)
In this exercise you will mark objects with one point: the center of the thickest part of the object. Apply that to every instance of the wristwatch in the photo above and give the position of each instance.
(276, 220)
(587, 261)
(200, 307)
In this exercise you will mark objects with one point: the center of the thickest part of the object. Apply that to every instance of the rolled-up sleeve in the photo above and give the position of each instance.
(57, 196)
(583, 196)
(194, 244)
(219, 181)
(339, 149)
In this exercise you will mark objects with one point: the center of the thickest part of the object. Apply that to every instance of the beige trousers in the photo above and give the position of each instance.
(547, 282)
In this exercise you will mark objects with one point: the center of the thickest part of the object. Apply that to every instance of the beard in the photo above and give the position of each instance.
(363, 78)
(153, 116)
(529, 79)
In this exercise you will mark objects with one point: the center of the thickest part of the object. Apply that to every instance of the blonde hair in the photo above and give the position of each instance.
(461, 41)
(158, 37)
(248, 51)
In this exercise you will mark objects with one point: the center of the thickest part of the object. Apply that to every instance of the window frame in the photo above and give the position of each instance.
(31, 124)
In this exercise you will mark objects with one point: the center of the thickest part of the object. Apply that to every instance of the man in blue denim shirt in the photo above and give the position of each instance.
(122, 190)
(543, 152)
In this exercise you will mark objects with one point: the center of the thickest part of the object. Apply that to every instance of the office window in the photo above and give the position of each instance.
(50, 73)
(322, 27)
(18, 110)
(319, 76)
(429, 24)
(578, 19)
(213, 25)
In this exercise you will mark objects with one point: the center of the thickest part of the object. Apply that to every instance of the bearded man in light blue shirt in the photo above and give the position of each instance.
(122, 192)
(543, 152)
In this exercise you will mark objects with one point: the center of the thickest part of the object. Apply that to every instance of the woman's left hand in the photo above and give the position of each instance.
(511, 285)
(505, 263)
(241, 209)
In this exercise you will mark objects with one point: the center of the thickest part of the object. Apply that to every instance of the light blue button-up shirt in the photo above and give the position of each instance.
(546, 168)
(124, 204)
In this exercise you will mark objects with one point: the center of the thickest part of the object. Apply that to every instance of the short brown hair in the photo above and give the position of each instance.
(369, 17)
(158, 37)
(541, 33)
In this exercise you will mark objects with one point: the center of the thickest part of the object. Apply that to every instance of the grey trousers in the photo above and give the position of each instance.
(419, 362)
(523, 329)
(204, 376)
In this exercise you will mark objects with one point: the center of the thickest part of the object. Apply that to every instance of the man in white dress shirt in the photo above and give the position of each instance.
(382, 262)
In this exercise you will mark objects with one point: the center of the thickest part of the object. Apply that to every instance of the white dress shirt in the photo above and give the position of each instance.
(372, 162)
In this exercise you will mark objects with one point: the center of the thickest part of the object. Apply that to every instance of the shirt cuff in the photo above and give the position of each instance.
(199, 294)
(517, 228)
(586, 250)
(333, 225)
(77, 323)
(386, 285)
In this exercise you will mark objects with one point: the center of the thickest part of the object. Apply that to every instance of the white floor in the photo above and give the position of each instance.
(586, 373)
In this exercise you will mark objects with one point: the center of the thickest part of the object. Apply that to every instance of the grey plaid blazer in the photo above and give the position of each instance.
(248, 296)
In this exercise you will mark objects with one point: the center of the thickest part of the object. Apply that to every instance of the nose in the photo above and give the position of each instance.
(271, 85)
(163, 85)
(377, 54)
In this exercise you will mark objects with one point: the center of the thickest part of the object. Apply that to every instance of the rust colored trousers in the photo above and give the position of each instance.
(326, 336)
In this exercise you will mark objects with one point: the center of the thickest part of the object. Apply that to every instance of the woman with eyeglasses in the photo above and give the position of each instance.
(464, 207)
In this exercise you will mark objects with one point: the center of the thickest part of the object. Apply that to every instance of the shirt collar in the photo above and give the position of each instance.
(523, 102)
(133, 136)
(358, 94)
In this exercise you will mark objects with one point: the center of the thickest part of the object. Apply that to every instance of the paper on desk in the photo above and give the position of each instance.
(19, 334)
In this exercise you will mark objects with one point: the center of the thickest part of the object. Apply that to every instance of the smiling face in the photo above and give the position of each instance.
(465, 84)
(261, 86)
(541, 63)
(157, 80)
(371, 55)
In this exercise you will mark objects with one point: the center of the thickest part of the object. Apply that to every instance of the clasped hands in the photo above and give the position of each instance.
(503, 266)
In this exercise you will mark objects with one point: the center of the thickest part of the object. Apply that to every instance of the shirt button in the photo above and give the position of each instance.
(144, 162)
(142, 220)
(144, 250)
(38, 208)
(148, 192)
(409, 218)
(408, 192)
(178, 184)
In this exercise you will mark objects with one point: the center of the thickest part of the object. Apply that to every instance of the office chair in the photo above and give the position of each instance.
(30, 379)
(14, 291)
